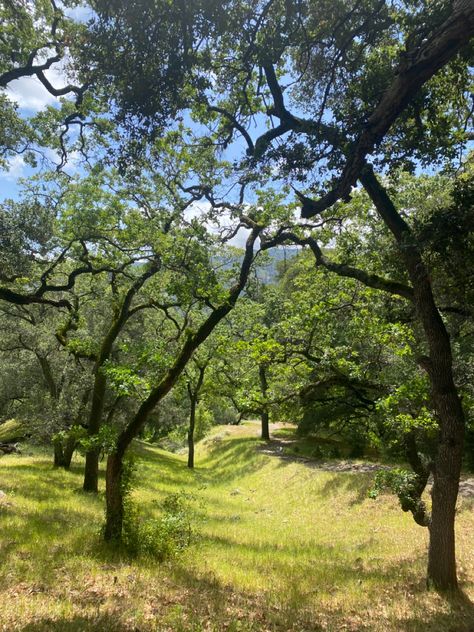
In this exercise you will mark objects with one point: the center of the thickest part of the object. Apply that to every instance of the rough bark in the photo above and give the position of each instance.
(58, 454)
(91, 471)
(445, 398)
(415, 503)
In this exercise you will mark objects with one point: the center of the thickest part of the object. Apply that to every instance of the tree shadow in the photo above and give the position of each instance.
(101, 622)
(360, 483)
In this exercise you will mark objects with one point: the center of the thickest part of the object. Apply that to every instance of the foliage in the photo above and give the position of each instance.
(159, 538)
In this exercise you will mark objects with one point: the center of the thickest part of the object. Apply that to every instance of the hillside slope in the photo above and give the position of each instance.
(283, 547)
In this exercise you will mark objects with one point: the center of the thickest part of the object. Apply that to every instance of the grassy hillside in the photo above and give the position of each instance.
(284, 547)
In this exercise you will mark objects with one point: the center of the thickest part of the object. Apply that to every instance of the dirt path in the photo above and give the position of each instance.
(277, 448)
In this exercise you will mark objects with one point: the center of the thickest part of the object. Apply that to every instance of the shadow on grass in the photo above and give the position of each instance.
(360, 483)
(234, 458)
(459, 617)
(101, 622)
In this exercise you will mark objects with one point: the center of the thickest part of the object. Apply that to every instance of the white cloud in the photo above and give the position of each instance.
(30, 94)
(16, 168)
(221, 224)
(82, 13)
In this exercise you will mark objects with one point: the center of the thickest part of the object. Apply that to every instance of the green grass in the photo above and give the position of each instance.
(283, 547)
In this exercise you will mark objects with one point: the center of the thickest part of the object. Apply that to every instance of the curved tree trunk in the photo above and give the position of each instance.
(114, 490)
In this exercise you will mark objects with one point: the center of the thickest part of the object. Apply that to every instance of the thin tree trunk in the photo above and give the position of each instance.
(91, 469)
(91, 473)
(264, 415)
(192, 424)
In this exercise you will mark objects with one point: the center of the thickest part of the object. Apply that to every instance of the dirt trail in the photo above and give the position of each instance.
(278, 447)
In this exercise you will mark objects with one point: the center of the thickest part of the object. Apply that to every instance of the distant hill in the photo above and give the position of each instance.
(277, 258)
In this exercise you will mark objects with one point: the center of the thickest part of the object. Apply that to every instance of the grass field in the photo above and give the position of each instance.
(283, 547)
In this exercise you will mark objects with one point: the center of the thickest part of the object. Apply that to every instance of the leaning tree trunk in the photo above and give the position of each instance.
(445, 398)
(114, 498)
(114, 488)
(264, 415)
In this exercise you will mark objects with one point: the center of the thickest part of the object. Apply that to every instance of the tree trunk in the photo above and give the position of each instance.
(68, 452)
(114, 490)
(63, 452)
(192, 424)
(58, 454)
(264, 415)
(91, 472)
(114, 498)
(445, 398)
(447, 471)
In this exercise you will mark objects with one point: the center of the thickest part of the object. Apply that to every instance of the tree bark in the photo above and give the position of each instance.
(192, 424)
(91, 471)
(63, 452)
(58, 454)
(264, 414)
(445, 398)
(114, 498)
(68, 451)
(193, 394)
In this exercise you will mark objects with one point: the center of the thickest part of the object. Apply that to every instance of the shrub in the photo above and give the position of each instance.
(163, 537)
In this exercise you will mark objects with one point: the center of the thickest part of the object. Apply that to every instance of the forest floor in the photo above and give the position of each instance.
(284, 547)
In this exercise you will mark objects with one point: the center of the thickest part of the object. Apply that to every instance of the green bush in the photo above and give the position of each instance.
(160, 538)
